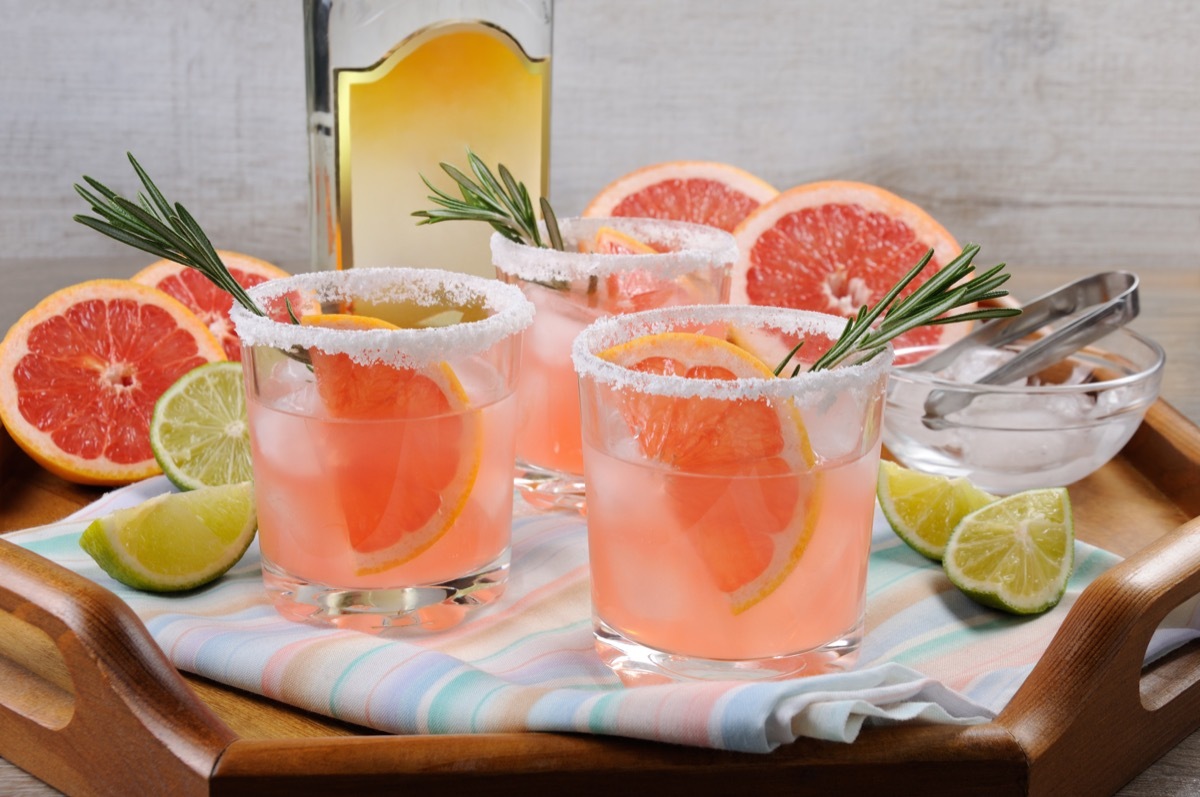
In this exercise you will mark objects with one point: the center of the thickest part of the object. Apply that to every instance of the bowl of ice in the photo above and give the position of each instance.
(1047, 430)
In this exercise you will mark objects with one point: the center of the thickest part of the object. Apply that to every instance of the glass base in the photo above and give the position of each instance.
(639, 665)
(550, 489)
(427, 607)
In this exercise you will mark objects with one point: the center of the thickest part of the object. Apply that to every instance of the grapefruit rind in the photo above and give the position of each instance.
(699, 349)
(646, 177)
(870, 198)
(412, 544)
(240, 267)
(39, 444)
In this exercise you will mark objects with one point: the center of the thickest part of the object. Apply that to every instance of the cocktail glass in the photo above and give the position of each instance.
(383, 452)
(729, 510)
(689, 264)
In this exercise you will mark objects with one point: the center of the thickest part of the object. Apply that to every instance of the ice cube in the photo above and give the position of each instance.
(976, 363)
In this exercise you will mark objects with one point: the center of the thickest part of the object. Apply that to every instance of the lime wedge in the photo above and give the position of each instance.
(923, 508)
(175, 541)
(198, 429)
(1015, 554)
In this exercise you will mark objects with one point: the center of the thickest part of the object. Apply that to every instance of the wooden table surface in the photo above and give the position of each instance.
(1168, 315)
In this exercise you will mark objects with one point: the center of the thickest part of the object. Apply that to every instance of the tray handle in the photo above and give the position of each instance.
(1088, 715)
(112, 716)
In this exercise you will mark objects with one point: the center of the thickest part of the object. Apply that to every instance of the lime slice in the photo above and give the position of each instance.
(175, 541)
(198, 429)
(923, 508)
(1015, 554)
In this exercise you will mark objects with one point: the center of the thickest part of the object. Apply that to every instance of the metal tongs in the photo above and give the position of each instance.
(1100, 304)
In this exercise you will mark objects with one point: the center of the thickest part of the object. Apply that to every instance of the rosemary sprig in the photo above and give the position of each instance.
(154, 225)
(863, 339)
(165, 230)
(503, 203)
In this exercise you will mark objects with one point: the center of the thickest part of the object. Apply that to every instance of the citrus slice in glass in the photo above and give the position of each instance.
(702, 192)
(748, 527)
(202, 297)
(80, 372)
(632, 289)
(1015, 554)
(923, 508)
(175, 541)
(398, 505)
(198, 429)
(835, 246)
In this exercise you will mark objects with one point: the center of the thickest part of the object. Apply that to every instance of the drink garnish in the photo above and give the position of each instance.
(942, 293)
(153, 225)
(503, 203)
(165, 230)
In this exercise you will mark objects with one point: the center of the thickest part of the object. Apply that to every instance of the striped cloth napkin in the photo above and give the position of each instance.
(526, 663)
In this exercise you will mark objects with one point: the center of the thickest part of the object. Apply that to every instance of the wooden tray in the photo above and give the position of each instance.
(89, 704)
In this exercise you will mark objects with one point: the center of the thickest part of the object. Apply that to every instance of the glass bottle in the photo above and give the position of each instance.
(397, 86)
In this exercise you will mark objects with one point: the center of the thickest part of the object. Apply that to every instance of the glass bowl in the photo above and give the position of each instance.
(1048, 430)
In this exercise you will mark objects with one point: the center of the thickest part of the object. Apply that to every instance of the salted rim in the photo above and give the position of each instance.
(935, 382)
(413, 348)
(615, 330)
(694, 247)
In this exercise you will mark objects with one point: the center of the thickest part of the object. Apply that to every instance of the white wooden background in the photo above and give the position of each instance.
(1050, 132)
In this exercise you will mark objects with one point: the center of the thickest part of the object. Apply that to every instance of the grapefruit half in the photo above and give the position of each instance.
(702, 192)
(835, 246)
(81, 371)
(751, 513)
(204, 298)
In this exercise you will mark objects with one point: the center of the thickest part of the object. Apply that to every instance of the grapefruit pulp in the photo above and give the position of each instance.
(81, 371)
(205, 299)
(396, 506)
(748, 528)
(702, 192)
(835, 246)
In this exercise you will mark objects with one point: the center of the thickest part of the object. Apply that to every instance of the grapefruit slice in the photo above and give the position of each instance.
(633, 289)
(204, 298)
(702, 192)
(751, 514)
(81, 371)
(398, 505)
(833, 247)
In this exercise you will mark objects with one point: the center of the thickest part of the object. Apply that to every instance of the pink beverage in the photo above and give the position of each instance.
(362, 481)
(611, 266)
(656, 582)
(382, 442)
(729, 510)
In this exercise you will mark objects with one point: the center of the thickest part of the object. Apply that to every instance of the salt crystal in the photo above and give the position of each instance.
(510, 312)
(807, 386)
(692, 247)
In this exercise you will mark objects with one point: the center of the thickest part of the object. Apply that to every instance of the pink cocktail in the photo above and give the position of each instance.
(382, 436)
(729, 510)
(610, 266)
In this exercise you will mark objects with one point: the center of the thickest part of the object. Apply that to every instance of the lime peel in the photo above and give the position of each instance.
(924, 508)
(1015, 554)
(175, 541)
(198, 431)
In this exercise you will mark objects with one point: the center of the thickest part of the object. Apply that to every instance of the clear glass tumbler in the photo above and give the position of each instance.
(382, 431)
(610, 266)
(729, 510)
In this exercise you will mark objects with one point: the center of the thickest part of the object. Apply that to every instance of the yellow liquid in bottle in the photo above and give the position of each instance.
(445, 89)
